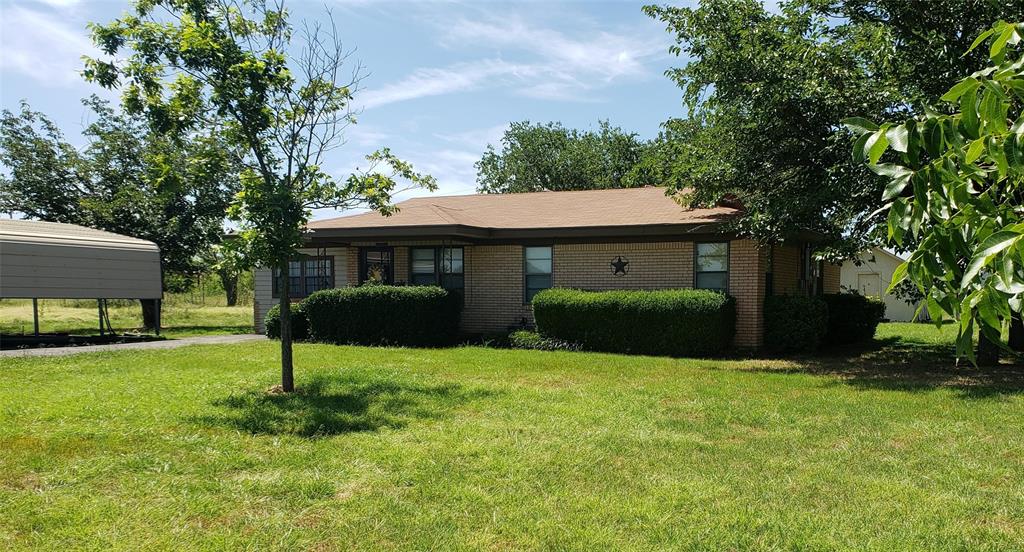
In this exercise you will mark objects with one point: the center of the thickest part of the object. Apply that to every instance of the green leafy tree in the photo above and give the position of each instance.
(765, 92)
(127, 180)
(954, 189)
(285, 98)
(228, 263)
(46, 176)
(538, 157)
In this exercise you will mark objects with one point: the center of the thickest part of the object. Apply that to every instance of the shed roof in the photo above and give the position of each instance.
(539, 212)
(56, 233)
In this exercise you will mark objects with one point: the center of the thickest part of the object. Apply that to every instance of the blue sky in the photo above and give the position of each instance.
(443, 79)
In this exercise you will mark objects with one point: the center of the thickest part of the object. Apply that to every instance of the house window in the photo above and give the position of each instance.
(452, 277)
(423, 267)
(306, 275)
(712, 266)
(536, 271)
(441, 266)
(376, 265)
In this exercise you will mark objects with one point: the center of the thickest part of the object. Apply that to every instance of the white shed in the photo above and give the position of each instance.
(871, 278)
(49, 260)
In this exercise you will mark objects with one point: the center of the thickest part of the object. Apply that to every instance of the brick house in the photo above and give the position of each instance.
(499, 250)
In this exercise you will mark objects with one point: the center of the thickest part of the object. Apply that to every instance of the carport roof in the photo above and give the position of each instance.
(71, 234)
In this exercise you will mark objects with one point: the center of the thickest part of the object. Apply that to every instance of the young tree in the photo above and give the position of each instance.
(955, 183)
(127, 180)
(537, 157)
(284, 105)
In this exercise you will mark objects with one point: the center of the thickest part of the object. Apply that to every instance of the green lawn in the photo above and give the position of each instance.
(474, 448)
(180, 318)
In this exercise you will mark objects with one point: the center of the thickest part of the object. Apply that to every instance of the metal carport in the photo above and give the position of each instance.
(49, 260)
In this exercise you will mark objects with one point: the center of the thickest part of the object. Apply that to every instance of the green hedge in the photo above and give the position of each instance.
(682, 322)
(852, 318)
(384, 315)
(794, 323)
(300, 324)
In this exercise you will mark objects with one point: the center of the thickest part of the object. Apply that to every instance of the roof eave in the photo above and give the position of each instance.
(504, 234)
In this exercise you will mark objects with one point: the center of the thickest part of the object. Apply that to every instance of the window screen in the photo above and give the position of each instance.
(536, 270)
(712, 266)
(423, 269)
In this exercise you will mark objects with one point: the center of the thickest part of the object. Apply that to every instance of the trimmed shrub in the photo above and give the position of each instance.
(678, 322)
(417, 316)
(852, 318)
(525, 339)
(794, 323)
(300, 324)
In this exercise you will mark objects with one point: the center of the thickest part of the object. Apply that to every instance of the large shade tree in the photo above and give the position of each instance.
(765, 92)
(537, 157)
(285, 97)
(127, 179)
(954, 183)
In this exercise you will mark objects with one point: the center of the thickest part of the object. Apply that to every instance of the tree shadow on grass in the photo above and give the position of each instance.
(897, 364)
(326, 406)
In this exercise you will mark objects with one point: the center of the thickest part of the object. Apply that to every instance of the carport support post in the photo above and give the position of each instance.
(99, 308)
(159, 307)
(35, 316)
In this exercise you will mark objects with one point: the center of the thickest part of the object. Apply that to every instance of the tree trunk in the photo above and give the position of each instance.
(149, 313)
(1016, 341)
(987, 352)
(230, 282)
(287, 377)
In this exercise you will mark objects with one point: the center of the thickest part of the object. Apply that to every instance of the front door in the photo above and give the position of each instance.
(377, 265)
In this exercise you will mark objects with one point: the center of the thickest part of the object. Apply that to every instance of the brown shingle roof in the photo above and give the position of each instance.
(540, 211)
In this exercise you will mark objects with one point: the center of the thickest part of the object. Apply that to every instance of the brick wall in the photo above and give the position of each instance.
(494, 278)
(786, 276)
(494, 288)
(786, 270)
(651, 265)
(831, 278)
(747, 266)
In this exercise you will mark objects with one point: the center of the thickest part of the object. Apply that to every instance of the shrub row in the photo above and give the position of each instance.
(797, 323)
(417, 316)
(852, 318)
(794, 323)
(682, 322)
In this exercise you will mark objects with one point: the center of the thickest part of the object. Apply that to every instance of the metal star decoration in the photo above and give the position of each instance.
(619, 266)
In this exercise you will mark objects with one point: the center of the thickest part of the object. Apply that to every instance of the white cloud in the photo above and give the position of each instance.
(555, 65)
(453, 169)
(477, 138)
(436, 81)
(599, 54)
(61, 3)
(366, 136)
(42, 46)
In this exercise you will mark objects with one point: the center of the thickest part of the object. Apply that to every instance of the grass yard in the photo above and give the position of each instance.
(473, 448)
(180, 318)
